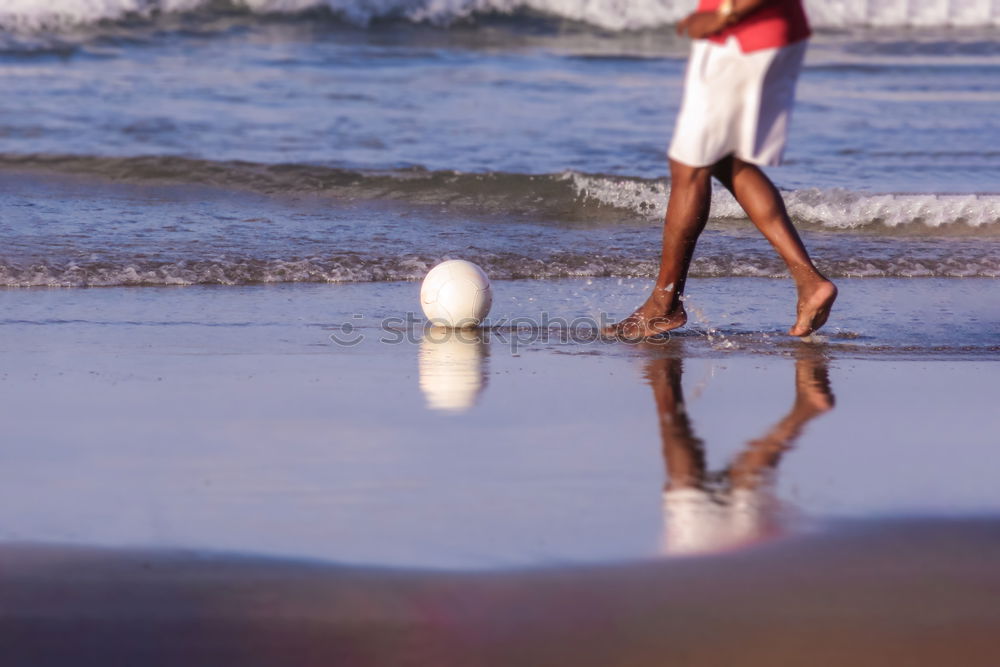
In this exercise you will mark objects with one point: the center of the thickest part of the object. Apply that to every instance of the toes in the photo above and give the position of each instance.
(804, 327)
(627, 329)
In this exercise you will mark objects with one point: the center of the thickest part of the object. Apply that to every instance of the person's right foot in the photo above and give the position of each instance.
(647, 321)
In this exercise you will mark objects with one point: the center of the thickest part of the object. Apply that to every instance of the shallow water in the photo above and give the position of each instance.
(228, 418)
(68, 231)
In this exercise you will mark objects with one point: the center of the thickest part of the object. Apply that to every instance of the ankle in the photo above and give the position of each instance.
(665, 295)
(808, 279)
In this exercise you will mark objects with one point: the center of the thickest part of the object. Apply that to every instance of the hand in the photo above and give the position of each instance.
(699, 25)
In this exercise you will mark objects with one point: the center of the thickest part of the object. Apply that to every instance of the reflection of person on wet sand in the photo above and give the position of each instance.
(706, 513)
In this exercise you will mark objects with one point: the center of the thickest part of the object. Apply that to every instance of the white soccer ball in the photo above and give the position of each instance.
(456, 294)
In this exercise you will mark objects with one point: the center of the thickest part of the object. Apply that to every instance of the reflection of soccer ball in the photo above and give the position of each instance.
(456, 294)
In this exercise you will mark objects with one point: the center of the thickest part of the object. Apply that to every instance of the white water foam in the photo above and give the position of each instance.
(28, 15)
(833, 209)
(836, 262)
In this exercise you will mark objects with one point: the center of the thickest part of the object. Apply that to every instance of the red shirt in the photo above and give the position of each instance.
(779, 23)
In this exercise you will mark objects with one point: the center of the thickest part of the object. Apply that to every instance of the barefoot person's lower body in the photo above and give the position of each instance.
(734, 117)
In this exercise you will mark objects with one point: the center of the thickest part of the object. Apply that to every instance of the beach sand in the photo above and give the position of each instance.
(878, 593)
(203, 475)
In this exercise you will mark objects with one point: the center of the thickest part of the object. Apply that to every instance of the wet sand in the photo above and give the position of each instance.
(203, 476)
(876, 593)
(227, 419)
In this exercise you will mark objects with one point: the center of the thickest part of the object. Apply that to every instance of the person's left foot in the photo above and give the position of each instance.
(815, 302)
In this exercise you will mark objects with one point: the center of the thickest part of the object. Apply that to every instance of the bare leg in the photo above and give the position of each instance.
(761, 200)
(687, 213)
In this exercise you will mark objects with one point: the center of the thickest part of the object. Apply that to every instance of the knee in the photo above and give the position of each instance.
(685, 175)
(741, 168)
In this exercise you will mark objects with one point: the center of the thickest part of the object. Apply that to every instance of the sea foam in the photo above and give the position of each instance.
(563, 197)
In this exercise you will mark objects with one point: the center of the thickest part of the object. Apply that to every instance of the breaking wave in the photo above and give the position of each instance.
(616, 15)
(567, 196)
(831, 209)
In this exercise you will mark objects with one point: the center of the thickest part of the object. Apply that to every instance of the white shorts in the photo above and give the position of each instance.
(736, 103)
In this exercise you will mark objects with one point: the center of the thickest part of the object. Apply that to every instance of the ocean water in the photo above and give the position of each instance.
(172, 142)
